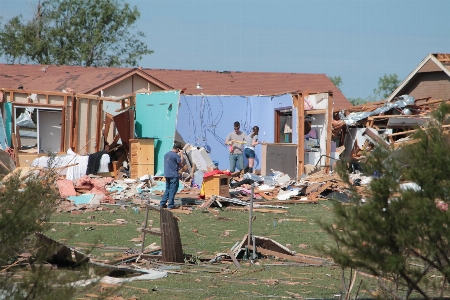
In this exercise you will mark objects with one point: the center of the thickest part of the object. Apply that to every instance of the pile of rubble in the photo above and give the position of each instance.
(388, 124)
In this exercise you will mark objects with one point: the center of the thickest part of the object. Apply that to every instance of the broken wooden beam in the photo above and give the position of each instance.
(170, 238)
(152, 231)
(286, 256)
(376, 138)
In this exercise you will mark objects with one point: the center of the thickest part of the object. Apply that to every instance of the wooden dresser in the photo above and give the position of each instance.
(142, 156)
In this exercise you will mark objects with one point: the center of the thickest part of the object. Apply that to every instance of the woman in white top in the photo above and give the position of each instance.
(249, 150)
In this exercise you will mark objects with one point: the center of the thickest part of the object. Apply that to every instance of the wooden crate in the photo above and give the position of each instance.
(217, 185)
(142, 157)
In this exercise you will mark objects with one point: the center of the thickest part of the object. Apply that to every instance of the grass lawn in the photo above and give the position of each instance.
(202, 236)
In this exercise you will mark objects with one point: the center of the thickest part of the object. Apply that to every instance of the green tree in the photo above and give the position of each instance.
(75, 32)
(386, 85)
(337, 81)
(398, 234)
(26, 205)
(357, 101)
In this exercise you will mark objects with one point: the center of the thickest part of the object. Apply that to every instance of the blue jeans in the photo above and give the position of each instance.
(236, 160)
(172, 184)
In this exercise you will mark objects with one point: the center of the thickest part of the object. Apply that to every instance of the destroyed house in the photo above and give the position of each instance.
(429, 80)
(391, 123)
(208, 105)
(212, 101)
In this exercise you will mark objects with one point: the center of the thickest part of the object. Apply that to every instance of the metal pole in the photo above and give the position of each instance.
(250, 217)
(145, 222)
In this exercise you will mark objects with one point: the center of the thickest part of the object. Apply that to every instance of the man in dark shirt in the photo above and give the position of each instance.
(173, 160)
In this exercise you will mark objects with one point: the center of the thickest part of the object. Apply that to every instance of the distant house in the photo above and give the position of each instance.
(430, 79)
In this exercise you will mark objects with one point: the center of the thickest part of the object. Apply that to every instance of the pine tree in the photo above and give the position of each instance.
(400, 234)
(26, 205)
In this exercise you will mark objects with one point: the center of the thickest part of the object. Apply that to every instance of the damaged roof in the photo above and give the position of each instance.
(90, 80)
(84, 80)
(430, 79)
(248, 83)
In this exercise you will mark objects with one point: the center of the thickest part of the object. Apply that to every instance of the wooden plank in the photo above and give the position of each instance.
(106, 125)
(322, 178)
(262, 194)
(152, 231)
(98, 131)
(261, 210)
(88, 118)
(376, 138)
(386, 116)
(313, 187)
(411, 131)
(16, 152)
(231, 254)
(324, 187)
(74, 124)
(77, 124)
(62, 145)
(287, 202)
(18, 141)
(207, 203)
(23, 104)
(300, 134)
(329, 120)
(313, 196)
(315, 111)
(170, 238)
(286, 256)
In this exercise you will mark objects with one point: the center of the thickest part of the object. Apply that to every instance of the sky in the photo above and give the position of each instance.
(358, 40)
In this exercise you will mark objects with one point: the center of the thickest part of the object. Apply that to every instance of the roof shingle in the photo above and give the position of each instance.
(88, 79)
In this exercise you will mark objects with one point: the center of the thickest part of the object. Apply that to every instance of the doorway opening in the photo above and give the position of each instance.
(283, 125)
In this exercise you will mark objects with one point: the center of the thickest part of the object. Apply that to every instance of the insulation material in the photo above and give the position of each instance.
(198, 159)
(316, 101)
(97, 185)
(163, 109)
(66, 188)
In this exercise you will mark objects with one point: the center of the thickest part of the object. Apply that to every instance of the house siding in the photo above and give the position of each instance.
(433, 84)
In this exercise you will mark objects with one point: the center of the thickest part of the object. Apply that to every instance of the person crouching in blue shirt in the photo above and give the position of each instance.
(173, 160)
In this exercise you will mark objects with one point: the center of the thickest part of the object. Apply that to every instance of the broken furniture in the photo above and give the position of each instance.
(142, 157)
(172, 249)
